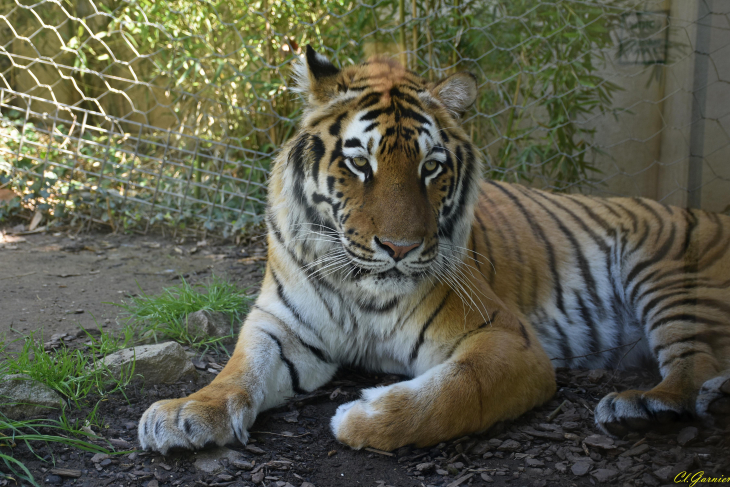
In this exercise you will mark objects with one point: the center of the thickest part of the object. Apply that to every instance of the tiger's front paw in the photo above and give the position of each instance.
(381, 419)
(621, 413)
(206, 417)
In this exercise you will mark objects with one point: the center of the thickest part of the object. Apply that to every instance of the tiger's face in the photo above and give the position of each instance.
(385, 176)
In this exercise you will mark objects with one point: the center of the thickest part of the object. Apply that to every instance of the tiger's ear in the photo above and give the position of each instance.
(315, 77)
(457, 92)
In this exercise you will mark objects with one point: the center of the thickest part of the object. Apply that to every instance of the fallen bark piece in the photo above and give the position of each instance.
(66, 472)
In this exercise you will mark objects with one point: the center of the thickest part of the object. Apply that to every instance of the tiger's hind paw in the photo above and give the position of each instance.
(621, 413)
(713, 400)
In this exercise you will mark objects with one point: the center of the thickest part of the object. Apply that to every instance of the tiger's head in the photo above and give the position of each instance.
(378, 186)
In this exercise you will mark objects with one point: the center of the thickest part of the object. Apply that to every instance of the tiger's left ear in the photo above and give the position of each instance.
(457, 92)
(315, 77)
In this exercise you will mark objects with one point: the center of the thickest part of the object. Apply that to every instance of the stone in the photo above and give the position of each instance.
(534, 462)
(649, 480)
(425, 467)
(494, 442)
(53, 479)
(664, 473)
(599, 441)
(258, 477)
(307, 484)
(687, 435)
(487, 478)
(153, 483)
(211, 324)
(595, 376)
(604, 474)
(561, 467)
(636, 451)
(624, 463)
(580, 468)
(162, 363)
(209, 461)
(509, 445)
(480, 448)
(22, 397)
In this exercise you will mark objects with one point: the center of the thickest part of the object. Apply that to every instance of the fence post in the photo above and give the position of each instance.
(699, 92)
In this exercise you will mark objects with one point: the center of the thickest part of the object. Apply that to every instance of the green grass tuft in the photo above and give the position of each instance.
(164, 316)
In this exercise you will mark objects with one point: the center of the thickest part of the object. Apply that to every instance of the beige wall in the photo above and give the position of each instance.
(651, 148)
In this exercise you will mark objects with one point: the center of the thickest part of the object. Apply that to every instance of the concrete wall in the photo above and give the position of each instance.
(675, 146)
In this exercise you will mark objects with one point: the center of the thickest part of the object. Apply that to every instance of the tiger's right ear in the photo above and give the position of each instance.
(315, 77)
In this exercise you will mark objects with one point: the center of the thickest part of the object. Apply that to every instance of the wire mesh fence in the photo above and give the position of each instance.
(136, 112)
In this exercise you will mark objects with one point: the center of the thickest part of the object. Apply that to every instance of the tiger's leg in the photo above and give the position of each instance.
(688, 337)
(269, 364)
(492, 376)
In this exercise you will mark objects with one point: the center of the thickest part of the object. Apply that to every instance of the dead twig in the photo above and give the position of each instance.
(632, 344)
(17, 275)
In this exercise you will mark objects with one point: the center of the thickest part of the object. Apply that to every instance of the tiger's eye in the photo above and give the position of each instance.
(360, 161)
(430, 165)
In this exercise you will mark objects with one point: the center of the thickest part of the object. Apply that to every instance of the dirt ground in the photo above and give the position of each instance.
(58, 281)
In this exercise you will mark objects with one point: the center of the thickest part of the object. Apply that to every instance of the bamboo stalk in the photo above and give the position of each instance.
(457, 16)
(429, 39)
(414, 15)
(402, 20)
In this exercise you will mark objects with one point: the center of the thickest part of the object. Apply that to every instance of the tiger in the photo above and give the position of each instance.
(388, 251)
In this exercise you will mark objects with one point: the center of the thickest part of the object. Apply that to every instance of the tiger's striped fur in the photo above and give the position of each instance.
(386, 251)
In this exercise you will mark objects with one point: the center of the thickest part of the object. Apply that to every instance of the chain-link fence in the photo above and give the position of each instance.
(135, 112)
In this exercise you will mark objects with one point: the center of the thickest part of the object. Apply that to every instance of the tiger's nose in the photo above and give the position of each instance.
(397, 252)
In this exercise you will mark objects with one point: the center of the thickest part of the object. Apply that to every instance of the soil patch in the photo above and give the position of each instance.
(46, 279)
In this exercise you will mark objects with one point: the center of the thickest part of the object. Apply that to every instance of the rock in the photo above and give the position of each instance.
(487, 478)
(494, 442)
(534, 462)
(306, 484)
(210, 324)
(23, 397)
(636, 451)
(664, 473)
(595, 376)
(425, 467)
(687, 435)
(561, 467)
(255, 449)
(580, 468)
(509, 445)
(599, 441)
(153, 483)
(162, 363)
(209, 461)
(53, 479)
(604, 474)
(572, 426)
(624, 463)
(258, 477)
(441, 471)
(649, 480)
(480, 448)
